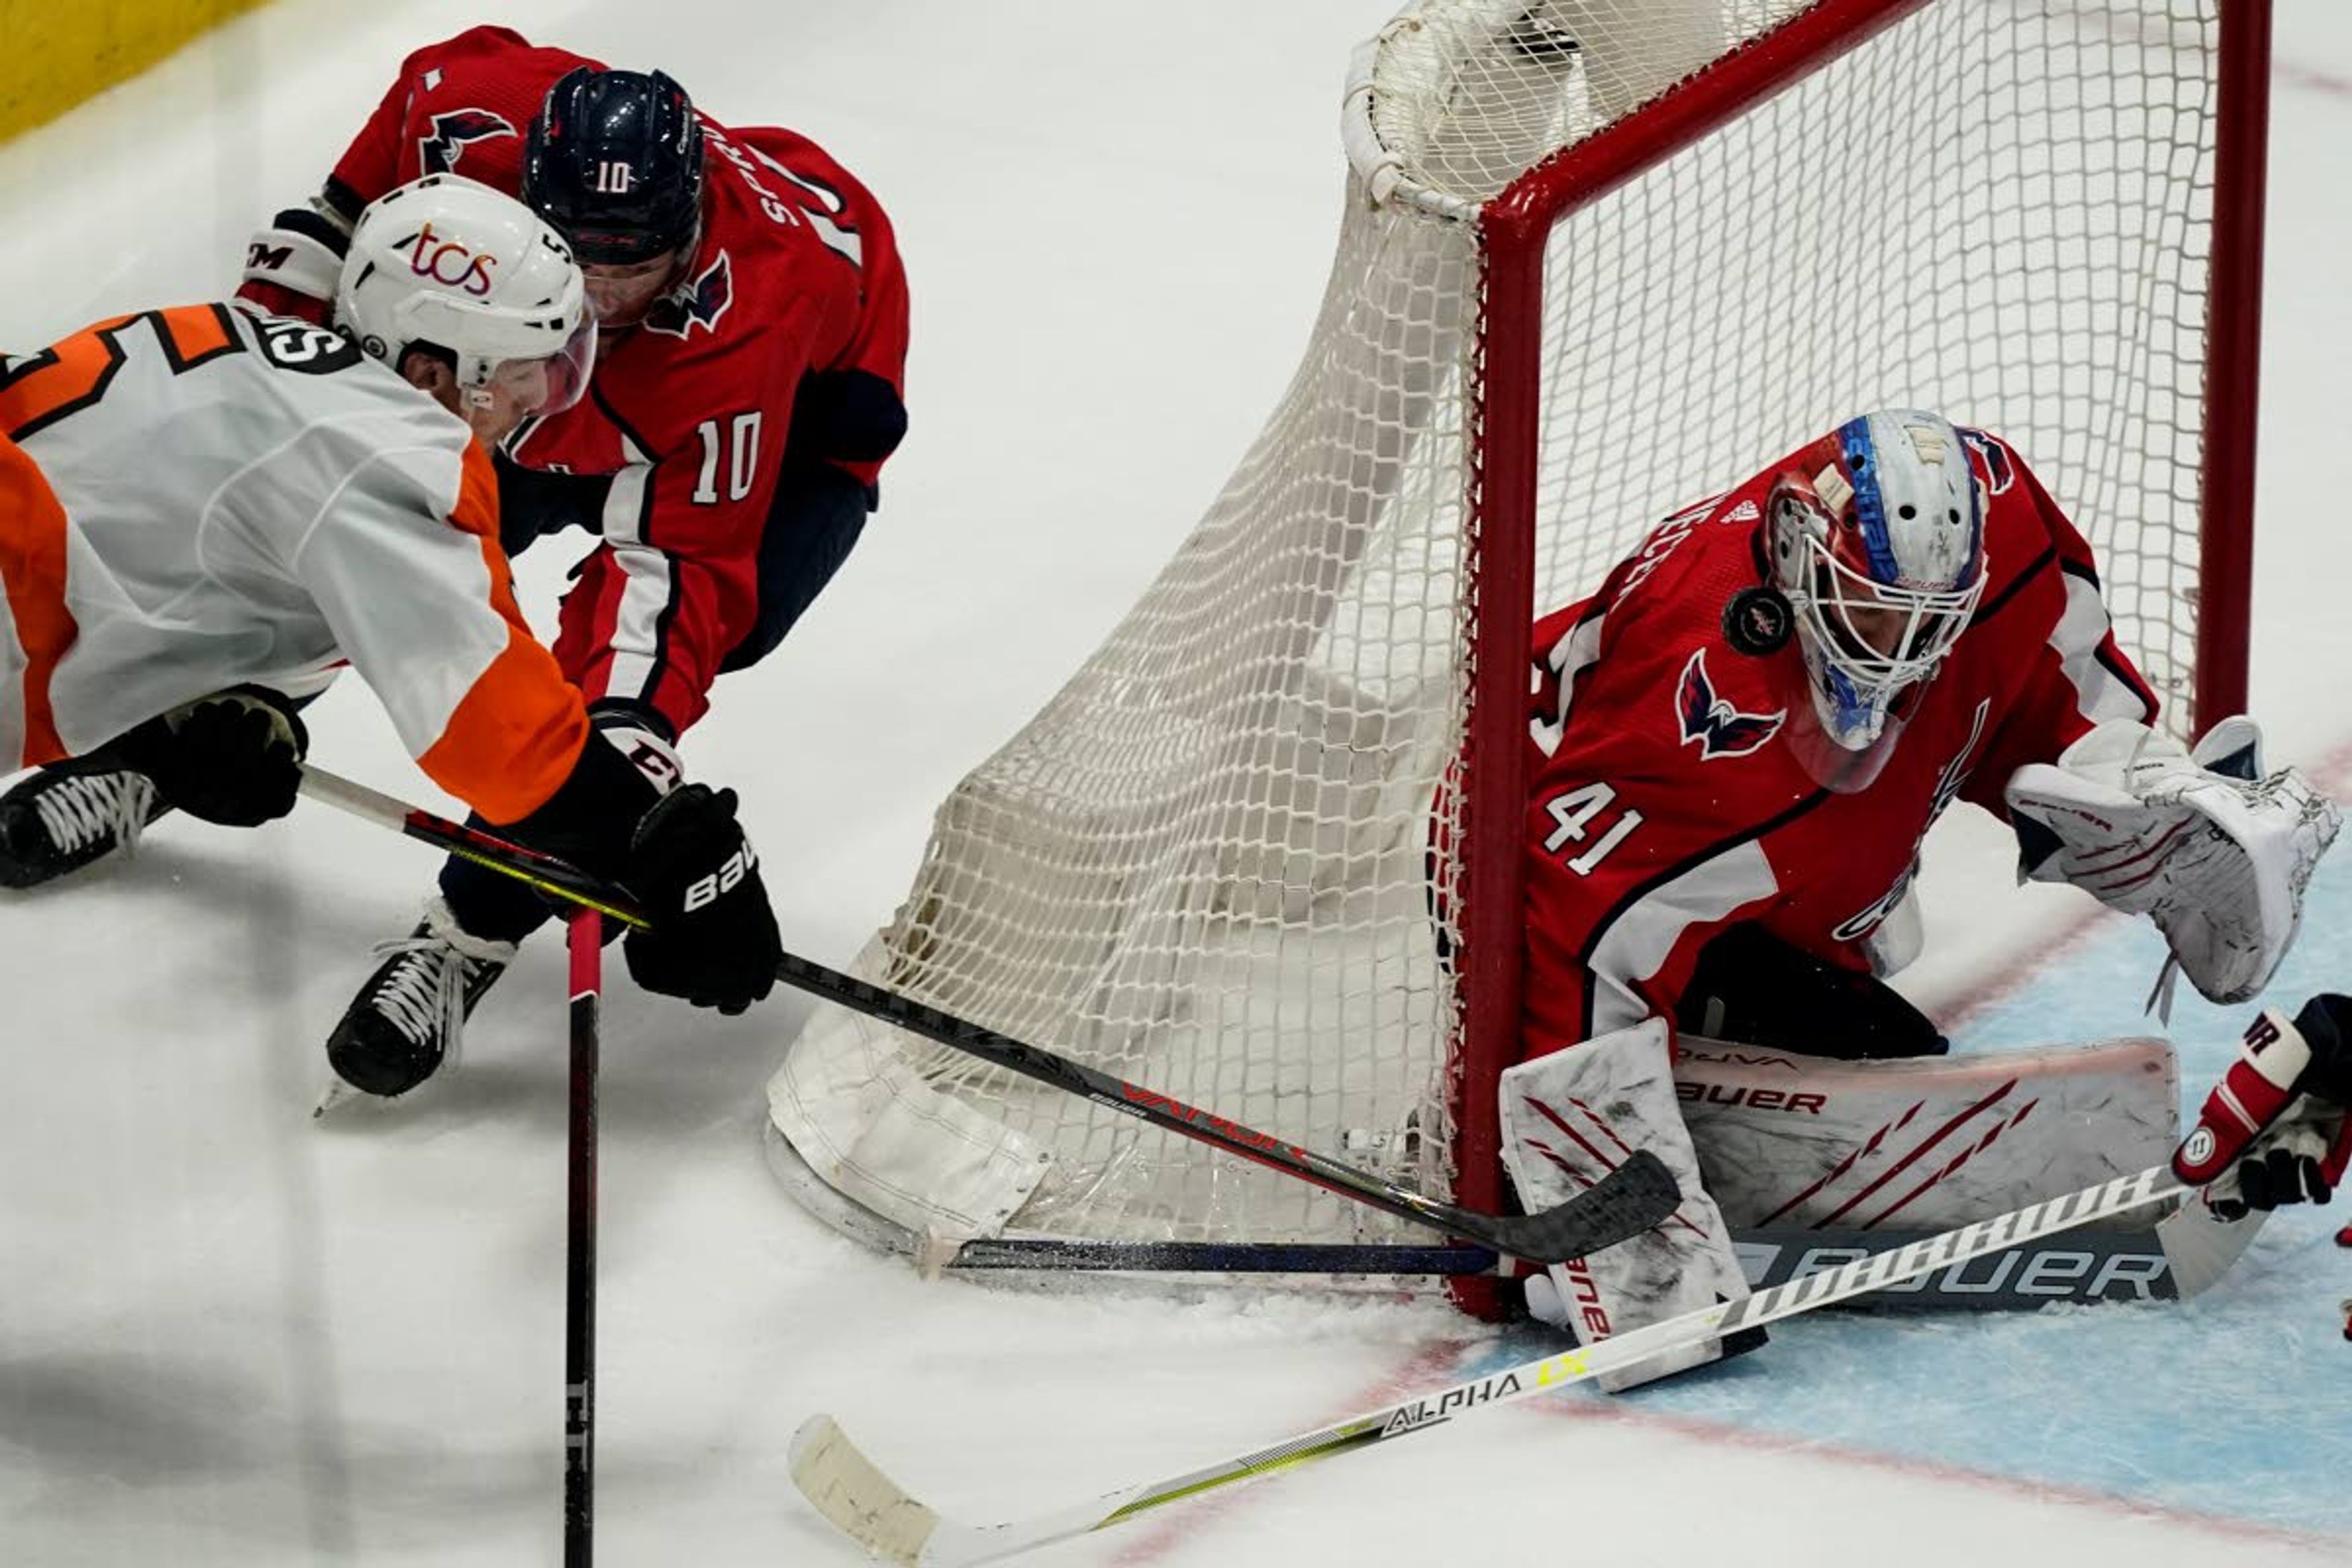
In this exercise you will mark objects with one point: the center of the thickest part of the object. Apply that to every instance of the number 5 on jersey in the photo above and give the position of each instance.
(1574, 812)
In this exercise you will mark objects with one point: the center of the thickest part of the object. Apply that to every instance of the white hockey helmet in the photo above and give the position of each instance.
(449, 263)
(1877, 542)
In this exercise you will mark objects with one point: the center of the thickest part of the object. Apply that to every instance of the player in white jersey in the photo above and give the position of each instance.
(202, 507)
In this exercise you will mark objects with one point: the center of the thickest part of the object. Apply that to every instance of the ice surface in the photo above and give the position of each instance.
(231, 1336)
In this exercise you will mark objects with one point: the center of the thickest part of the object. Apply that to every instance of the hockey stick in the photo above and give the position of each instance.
(587, 953)
(2104, 1265)
(1639, 1193)
(867, 1506)
(2178, 1257)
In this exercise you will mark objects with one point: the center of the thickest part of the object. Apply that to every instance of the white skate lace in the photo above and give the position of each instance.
(427, 987)
(79, 809)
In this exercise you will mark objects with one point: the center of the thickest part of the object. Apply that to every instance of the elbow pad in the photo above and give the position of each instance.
(292, 266)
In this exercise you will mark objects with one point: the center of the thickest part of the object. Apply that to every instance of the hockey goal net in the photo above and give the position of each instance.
(1599, 260)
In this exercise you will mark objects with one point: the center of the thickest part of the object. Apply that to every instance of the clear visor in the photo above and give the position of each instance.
(1842, 735)
(547, 384)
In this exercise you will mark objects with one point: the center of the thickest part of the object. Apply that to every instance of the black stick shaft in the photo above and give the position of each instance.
(587, 945)
(1640, 1194)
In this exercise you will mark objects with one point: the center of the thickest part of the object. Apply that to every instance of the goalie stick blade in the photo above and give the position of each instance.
(2202, 1248)
(1638, 1195)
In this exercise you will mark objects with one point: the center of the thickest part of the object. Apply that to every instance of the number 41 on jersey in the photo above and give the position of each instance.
(1574, 812)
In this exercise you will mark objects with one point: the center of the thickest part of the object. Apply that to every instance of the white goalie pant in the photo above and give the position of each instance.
(1571, 1118)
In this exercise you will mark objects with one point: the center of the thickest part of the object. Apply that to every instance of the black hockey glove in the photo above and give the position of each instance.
(713, 939)
(234, 757)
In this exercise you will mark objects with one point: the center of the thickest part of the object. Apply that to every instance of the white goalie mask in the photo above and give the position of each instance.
(449, 263)
(1877, 542)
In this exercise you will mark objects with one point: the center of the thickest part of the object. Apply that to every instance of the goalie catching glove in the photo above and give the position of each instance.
(2274, 1130)
(2205, 845)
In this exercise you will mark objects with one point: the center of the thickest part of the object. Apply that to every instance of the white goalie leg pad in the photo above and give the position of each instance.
(2218, 859)
(1571, 1118)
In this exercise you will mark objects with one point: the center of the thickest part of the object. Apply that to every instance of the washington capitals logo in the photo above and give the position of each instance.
(1862, 921)
(1720, 729)
(1999, 472)
(697, 304)
(438, 154)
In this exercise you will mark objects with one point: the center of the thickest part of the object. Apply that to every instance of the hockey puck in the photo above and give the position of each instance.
(1758, 621)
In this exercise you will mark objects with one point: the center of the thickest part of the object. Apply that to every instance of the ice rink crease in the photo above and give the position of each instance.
(232, 1336)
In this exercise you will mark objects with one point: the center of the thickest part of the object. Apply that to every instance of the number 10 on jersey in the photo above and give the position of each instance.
(1573, 812)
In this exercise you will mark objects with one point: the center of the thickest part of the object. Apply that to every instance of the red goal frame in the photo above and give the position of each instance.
(1499, 503)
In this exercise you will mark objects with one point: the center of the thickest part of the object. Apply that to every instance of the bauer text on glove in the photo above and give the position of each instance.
(713, 940)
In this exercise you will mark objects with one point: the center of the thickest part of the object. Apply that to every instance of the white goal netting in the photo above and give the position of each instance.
(1205, 866)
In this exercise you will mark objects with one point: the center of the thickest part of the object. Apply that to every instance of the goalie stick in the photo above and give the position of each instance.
(2176, 1259)
(1638, 1195)
(864, 1503)
(2177, 1256)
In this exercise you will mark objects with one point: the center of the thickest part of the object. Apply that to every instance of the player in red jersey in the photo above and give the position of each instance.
(753, 313)
(1738, 745)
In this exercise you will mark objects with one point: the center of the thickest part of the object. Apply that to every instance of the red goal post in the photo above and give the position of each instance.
(1599, 259)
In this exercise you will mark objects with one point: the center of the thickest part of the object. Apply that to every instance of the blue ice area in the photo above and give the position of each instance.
(2238, 1405)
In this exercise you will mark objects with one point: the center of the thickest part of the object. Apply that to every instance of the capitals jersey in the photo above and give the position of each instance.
(788, 328)
(1667, 802)
(199, 497)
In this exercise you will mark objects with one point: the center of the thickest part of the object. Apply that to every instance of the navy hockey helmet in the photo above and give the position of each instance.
(615, 161)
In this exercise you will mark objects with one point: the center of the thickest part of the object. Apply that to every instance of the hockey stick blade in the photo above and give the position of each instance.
(859, 1499)
(1637, 1196)
(1612, 1211)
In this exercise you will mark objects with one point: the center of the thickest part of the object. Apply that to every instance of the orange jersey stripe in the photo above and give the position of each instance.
(33, 572)
(517, 735)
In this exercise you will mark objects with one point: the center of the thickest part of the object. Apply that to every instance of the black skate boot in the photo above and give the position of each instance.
(64, 818)
(405, 1024)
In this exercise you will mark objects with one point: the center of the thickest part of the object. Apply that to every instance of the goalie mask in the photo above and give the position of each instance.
(1877, 542)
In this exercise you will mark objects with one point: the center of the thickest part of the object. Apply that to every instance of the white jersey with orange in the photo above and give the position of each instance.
(198, 497)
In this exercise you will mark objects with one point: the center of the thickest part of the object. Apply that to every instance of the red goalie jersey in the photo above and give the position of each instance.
(1668, 802)
(782, 342)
